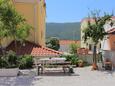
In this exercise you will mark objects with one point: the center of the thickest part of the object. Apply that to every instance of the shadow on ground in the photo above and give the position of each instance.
(58, 74)
(108, 72)
(18, 81)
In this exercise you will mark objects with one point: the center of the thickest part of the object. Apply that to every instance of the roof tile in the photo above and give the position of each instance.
(33, 49)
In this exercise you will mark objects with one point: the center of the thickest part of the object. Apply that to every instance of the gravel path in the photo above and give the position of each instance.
(82, 77)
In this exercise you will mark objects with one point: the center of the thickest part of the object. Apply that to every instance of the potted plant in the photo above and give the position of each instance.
(80, 63)
(9, 65)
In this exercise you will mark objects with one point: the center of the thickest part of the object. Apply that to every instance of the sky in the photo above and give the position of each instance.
(61, 11)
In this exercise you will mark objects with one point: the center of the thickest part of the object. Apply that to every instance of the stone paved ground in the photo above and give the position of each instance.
(82, 77)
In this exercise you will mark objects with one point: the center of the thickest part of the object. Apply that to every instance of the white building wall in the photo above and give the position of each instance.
(105, 44)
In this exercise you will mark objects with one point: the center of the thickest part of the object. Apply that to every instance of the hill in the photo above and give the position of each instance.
(67, 31)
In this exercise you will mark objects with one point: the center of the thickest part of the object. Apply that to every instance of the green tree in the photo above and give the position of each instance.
(95, 31)
(73, 48)
(3, 34)
(13, 22)
(3, 30)
(53, 43)
(23, 32)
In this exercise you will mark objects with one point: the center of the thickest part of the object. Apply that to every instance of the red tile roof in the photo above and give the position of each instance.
(33, 49)
(82, 51)
(43, 51)
(66, 42)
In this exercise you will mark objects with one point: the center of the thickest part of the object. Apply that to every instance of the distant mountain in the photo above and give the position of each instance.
(67, 31)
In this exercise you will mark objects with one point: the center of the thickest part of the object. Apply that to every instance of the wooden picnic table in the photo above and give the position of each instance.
(54, 63)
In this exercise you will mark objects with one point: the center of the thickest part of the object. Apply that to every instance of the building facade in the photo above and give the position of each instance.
(89, 45)
(107, 44)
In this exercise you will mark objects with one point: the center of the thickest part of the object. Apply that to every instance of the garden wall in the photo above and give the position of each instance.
(110, 55)
(87, 58)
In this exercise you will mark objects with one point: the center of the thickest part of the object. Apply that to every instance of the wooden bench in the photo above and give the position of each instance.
(65, 67)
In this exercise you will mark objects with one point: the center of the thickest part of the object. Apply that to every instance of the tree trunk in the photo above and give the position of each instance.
(95, 67)
(15, 42)
(2, 51)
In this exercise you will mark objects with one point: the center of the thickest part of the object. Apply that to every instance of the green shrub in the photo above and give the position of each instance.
(53, 43)
(10, 60)
(80, 61)
(26, 62)
(3, 62)
(72, 58)
(73, 48)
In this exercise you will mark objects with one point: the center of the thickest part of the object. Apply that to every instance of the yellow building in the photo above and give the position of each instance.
(34, 11)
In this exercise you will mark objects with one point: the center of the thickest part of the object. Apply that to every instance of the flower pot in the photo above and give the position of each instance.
(10, 72)
(94, 66)
(80, 64)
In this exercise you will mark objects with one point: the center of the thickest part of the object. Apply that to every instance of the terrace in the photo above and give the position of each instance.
(82, 77)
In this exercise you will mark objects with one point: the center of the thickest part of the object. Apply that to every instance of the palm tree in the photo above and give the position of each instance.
(95, 32)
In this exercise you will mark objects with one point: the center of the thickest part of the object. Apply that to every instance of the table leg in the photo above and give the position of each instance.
(40, 68)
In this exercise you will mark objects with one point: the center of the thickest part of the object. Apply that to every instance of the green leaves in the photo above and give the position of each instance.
(12, 24)
(95, 30)
(9, 60)
(26, 62)
(23, 31)
(53, 43)
(73, 48)
(72, 58)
